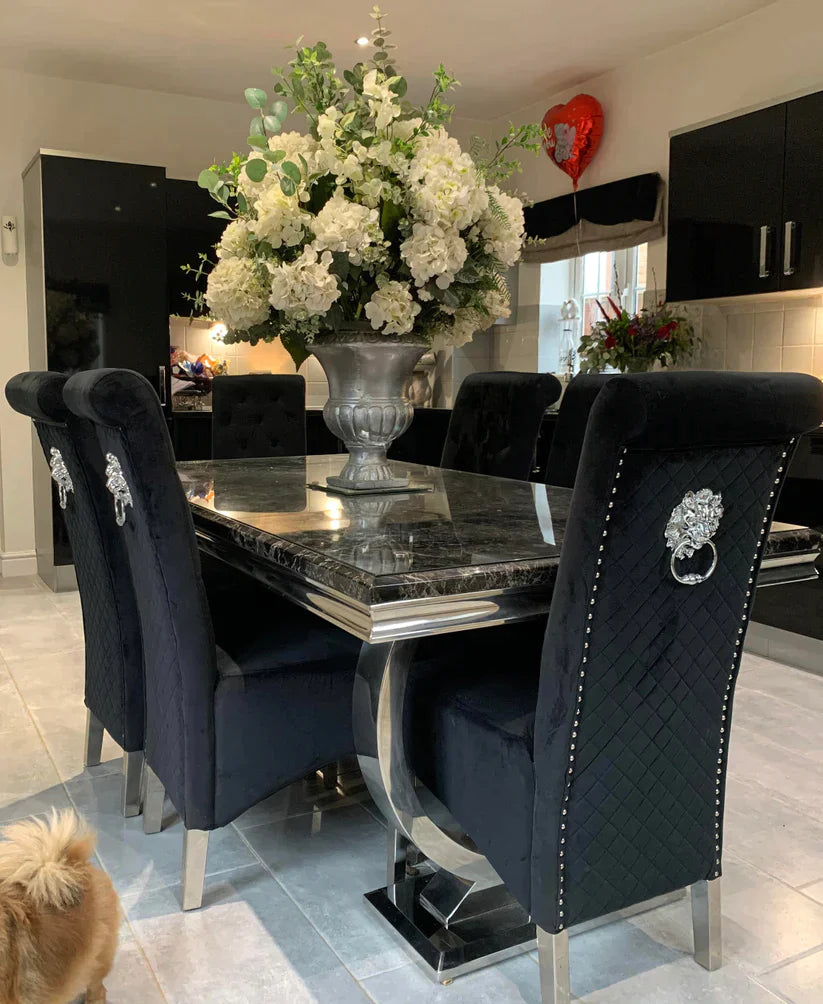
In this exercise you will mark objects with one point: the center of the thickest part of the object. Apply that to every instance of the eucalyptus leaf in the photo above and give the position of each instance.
(303, 164)
(208, 179)
(287, 186)
(256, 127)
(291, 171)
(257, 141)
(280, 110)
(242, 204)
(275, 156)
(222, 194)
(221, 214)
(256, 169)
(399, 87)
(256, 98)
(380, 57)
(272, 123)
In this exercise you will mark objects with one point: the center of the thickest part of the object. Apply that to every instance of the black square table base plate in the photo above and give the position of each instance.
(497, 929)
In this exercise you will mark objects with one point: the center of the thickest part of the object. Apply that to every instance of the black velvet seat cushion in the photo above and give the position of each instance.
(284, 690)
(471, 737)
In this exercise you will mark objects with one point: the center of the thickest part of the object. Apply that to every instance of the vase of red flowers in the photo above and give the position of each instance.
(635, 343)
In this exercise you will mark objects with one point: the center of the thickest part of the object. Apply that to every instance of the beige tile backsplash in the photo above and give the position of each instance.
(266, 357)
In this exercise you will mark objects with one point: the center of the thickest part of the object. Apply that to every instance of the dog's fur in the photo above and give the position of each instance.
(58, 914)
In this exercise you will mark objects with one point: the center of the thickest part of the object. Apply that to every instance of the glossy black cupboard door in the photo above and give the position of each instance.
(104, 255)
(725, 207)
(801, 259)
(190, 231)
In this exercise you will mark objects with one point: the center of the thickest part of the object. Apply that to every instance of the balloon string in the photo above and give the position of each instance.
(578, 223)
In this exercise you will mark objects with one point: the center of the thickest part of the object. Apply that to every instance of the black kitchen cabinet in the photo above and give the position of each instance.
(726, 206)
(801, 263)
(190, 231)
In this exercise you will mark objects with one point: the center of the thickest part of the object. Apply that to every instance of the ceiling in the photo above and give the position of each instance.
(507, 55)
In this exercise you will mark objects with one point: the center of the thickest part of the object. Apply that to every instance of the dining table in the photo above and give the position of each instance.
(453, 552)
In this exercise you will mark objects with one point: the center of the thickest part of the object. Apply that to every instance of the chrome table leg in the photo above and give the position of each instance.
(707, 923)
(94, 741)
(553, 955)
(132, 783)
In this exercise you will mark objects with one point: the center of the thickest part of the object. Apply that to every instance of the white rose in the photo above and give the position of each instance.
(392, 308)
(236, 293)
(306, 288)
(432, 252)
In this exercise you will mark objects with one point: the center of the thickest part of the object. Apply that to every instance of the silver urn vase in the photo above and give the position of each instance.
(368, 405)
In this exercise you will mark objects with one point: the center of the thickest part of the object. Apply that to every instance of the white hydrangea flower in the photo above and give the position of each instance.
(327, 125)
(237, 293)
(383, 102)
(434, 252)
(466, 323)
(392, 308)
(405, 128)
(306, 288)
(343, 225)
(445, 186)
(498, 305)
(280, 220)
(235, 240)
(503, 237)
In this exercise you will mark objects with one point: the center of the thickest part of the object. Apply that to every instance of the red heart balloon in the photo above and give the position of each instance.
(571, 134)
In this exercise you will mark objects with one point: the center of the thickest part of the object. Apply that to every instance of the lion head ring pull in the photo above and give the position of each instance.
(691, 527)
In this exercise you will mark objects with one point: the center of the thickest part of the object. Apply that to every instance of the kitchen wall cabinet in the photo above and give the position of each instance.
(746, 204)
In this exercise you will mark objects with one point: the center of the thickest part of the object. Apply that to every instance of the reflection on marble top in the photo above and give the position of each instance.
(469, 533)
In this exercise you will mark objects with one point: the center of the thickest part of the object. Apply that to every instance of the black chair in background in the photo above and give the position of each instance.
(114, 647)
(241, 699)
(496, 421)
(259, 415)
(570, 429)
(597, 782)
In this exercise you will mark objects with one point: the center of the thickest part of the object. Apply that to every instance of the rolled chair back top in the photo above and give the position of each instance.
(570, 428)
(156, 525)
(496, 421)
(645, 632)
(258, 415)
(114, 649)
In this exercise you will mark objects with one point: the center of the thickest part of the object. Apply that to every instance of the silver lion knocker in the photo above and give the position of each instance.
(60, 476)
(691, 527)
(119, 488)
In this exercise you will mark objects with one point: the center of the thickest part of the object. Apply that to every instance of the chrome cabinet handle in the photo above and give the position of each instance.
(161, 384)
(789, 232)
(765, 233)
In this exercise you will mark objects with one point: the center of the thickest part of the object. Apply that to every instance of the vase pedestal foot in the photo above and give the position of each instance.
(367, 472)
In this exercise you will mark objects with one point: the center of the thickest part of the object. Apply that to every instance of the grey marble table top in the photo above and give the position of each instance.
(466, 539)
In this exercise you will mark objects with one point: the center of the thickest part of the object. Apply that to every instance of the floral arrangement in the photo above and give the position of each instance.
(374, 217)
(633, 343)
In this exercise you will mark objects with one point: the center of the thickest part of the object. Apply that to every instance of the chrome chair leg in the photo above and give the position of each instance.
(195, 851)
(94, 741)
(154, 796)
(553, 955)
(707, 923)
(133, 783)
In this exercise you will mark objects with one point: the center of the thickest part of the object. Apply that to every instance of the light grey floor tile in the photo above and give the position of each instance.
(249, 942)
(40, 802)
(131, 980)
(815, 890)
(25, 767)
(512, 982)
(774, 772)
(770, 833)
(782, 722)
(803, 689)
(135, 861)
(22, 639)
(25, 605)
(800, 982)
(50, 680)
(327, 864)
(14, 718)
(764, 921)
(63, 731)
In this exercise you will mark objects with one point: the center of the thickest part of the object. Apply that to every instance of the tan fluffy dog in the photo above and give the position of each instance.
(58, 914)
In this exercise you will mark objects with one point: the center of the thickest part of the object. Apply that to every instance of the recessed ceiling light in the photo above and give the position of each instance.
(363, 40)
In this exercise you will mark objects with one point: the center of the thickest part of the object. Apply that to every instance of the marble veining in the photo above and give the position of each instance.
(469, 534)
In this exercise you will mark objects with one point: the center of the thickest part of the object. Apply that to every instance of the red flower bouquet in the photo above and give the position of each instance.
(633, 343)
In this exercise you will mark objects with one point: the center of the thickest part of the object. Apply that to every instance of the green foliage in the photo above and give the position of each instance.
(497, 164)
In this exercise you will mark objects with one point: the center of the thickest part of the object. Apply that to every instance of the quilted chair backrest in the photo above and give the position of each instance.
(114, 649)
(638, 671)
(154, 519)
(496, 421)
(259, 415)
(570, 428)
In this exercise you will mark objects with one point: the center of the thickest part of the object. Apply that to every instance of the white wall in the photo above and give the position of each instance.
(147, 127)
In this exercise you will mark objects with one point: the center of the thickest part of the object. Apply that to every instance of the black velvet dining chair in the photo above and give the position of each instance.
(258, 415)
(114, 648)
(570, 428)
(595, 780)
(245, 693)
(496, 421)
